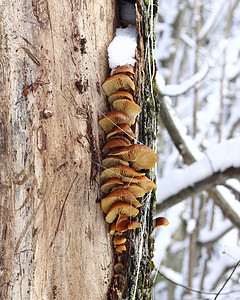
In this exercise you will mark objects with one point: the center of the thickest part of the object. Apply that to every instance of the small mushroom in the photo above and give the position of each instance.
(109, 184)
(118, 268)
(142, 181)
(122, 223)
(122, 137)
(114, 144)
(120, 249)
(120, 208)
(119, 171)
(130, 108)
(137, 191)
(119, 194)
(134, 225)
(118, 82)
(142, 157)
(161, 221)
(126, 69)
(111, 161)
(119, 240)
(120, 95)
(122, 129)
(112, 118)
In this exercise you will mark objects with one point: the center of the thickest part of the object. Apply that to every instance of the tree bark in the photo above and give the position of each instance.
(54, 241)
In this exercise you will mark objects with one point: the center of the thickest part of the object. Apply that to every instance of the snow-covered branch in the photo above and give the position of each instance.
(179, 193)
(212, 237)
(191, 154)
(175, 90)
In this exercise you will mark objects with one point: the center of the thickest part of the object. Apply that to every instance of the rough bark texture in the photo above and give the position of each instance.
(54, 241)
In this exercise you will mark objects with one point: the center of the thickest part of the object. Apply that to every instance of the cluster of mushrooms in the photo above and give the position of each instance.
(123, 181)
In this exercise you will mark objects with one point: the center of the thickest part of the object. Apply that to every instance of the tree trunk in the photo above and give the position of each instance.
(54, 241)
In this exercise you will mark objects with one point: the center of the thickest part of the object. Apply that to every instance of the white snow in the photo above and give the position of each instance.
(175, 90)
(121, 50)
(224, 155)
(191, 225)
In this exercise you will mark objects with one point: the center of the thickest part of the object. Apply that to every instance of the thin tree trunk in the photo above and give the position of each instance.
(54, 241)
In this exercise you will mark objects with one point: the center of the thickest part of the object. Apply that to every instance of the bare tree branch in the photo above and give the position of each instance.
(215, 238)
(205, 184)
(191, 154)
(229, 277)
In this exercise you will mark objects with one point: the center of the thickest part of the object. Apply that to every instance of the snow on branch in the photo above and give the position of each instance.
(220, 162)
(194, 187)
(175, 90)
(191, 154)
(211, 21)
(211, 236)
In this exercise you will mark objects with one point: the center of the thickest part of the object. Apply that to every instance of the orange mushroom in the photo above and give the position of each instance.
(112, 118)
(161, 221)
(114, 144)
(118, 82)
(120, 208)
(130, 108)
(121, 129)
(119, 194)
(142, 157)
(120, 95)
(119, 171)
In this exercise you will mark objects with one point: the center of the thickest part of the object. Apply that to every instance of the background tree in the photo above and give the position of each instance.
(198, 57)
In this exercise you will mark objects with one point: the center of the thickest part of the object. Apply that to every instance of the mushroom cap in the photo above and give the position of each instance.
(118, 267)
(111, 161)
(121, 136)
(113, 118)
(122, 223)
(121, 129)
(119, 171)
(130, 108)
(120, 208)
(119, 194)
(142, 181)
(109, 184)
(161, 221)
(119, 240)
(142, 157)
(137, 191)
(120, 95)
(120, 249)
(114, 144)
(118, 82)
(113, 230)
(123, 69)
(134, 225)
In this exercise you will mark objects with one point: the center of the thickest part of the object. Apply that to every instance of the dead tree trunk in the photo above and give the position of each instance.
(54, 241)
